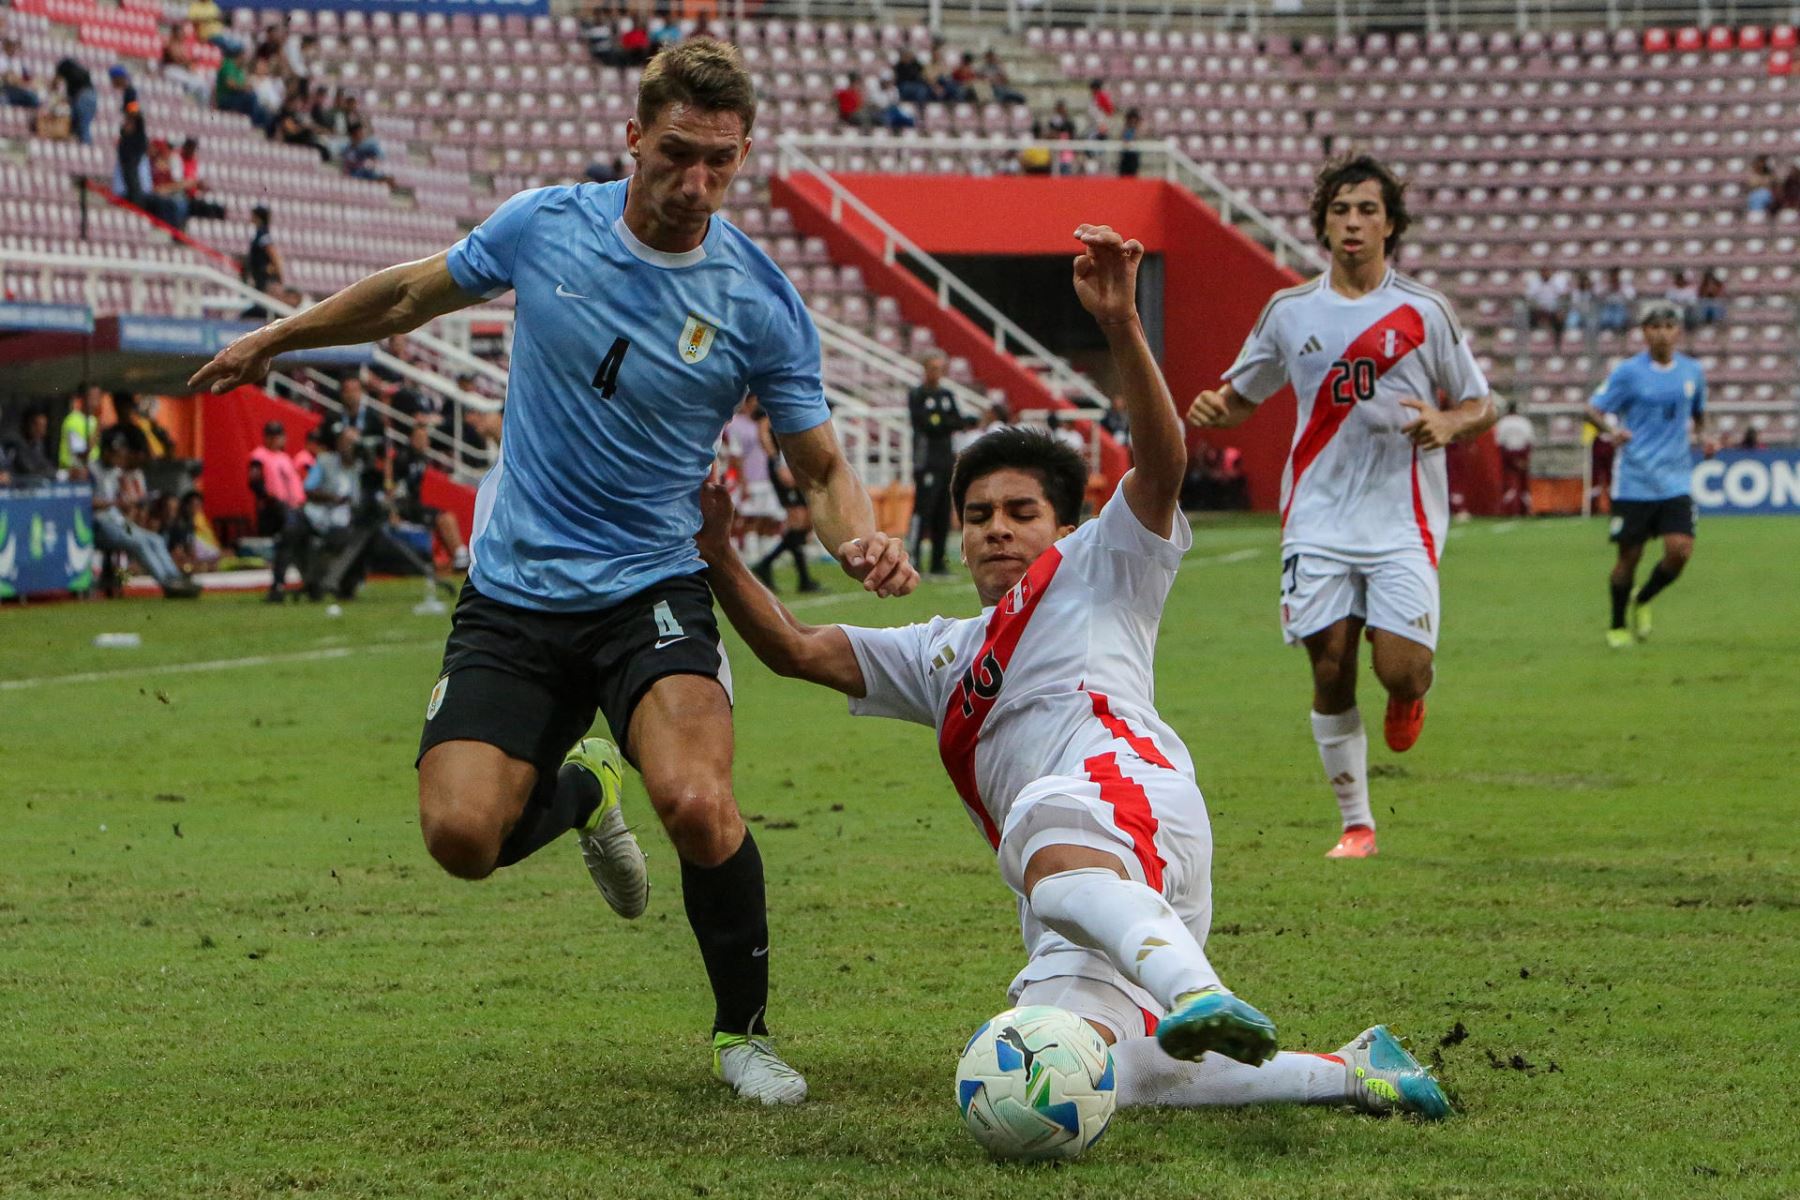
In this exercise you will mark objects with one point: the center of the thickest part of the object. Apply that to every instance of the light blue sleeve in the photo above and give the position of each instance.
(482, 263)
(315, 475)
(1616, 390)
(785, 375)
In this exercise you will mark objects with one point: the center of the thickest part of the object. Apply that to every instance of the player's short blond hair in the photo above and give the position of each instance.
(702, 73)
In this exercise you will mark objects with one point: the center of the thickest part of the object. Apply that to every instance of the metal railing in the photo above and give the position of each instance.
(1158, 158)
(1008, 337)
(199, 290)
(896, 369)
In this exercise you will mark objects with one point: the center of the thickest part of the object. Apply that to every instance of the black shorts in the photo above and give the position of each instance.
(530, 682)
(1635, 522)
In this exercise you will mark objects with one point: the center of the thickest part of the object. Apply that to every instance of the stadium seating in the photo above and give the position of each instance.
(1583, 148)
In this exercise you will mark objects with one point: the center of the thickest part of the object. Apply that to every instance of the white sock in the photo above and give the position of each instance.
(1148, 1076)
(1344, 749)
(1130, 924)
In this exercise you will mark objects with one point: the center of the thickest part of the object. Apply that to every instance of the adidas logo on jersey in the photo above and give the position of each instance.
(1313, 345)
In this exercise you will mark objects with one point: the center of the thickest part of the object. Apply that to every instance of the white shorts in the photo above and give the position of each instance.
(1092, 1000)
(760, 503)
(1397, 595)
(1154, 819)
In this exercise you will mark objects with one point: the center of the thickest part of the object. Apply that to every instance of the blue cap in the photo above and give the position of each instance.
(118, 72)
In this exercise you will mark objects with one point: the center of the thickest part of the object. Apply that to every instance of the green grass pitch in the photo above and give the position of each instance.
(227, 967)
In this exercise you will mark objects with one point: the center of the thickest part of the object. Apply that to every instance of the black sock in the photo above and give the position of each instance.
(1621, 596)
(725, 906)
(557, 805)
(1660, 578)
(767, 561)
(795, 541)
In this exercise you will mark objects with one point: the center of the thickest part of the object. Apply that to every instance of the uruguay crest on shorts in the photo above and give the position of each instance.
(696, 339)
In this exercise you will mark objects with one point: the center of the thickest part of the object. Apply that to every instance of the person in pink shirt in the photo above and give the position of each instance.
(275, 482)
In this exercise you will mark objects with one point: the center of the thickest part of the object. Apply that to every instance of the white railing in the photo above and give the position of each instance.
(877, 439)
(200, 289)
(1008, 337)
(842, 341)
(1157, 157)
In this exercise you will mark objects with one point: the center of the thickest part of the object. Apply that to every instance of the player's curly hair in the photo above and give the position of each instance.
(702, 72)
(1057, 465)
(1348, 170)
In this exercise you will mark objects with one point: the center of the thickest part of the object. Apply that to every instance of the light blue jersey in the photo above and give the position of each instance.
(1657, 405)
(627, 361)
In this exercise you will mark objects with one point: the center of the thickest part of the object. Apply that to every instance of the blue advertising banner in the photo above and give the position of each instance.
(46, 540)
(529, 8)
(1736, 482)
(203, 339)
(17, 316)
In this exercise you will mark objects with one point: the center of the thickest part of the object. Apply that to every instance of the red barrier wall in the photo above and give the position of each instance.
(232, 426)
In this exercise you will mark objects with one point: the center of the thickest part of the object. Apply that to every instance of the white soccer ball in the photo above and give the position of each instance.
(1035, 1083)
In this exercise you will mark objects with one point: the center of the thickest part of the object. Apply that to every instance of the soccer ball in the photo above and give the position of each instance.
(1035, 1083)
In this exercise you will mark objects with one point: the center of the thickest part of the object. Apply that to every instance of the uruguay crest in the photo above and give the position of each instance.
(696, 339)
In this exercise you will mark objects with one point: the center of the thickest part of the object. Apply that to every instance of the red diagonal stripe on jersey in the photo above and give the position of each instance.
(1140, 745)
(1419, 513)
(1131, 813)
(974, 696)
(1327, 416)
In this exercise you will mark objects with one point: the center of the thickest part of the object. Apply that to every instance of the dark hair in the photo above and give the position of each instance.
(1348, 171)
(703, 72)
(1056, 465)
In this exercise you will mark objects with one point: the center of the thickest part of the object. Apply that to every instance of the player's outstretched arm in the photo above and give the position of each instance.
(1222, 409)
(842, 511)
(396, 300)
(817, 653)
(1106, 282)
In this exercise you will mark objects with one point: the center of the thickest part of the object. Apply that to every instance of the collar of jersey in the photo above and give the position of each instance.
(653, 256)
(1325, 286)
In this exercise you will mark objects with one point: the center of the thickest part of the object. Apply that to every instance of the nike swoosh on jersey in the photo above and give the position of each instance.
(669, 641)
(564, 292)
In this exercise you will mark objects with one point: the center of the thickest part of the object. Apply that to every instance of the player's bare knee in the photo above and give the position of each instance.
(702, 822)
(465, 846)
(1676, 555)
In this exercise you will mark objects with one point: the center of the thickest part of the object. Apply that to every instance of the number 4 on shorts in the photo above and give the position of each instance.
(668, 629)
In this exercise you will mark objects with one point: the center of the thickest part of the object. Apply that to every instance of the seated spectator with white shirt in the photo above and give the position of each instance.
(119, 497)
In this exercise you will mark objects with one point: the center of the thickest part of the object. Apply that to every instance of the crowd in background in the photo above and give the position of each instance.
(1570, 301)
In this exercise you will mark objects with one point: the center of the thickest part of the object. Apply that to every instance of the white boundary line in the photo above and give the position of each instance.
(217, 664)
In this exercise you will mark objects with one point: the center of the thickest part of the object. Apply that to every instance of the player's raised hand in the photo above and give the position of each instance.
(1432, 429)
(1106, 274)
(1208, 411)
(244, 361)
(881, 563)
(716, 513)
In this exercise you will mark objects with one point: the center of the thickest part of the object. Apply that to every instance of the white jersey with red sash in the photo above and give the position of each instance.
(1355, 489)
(1058, 679)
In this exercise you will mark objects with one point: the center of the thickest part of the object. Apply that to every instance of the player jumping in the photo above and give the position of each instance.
(643, 318)
(1046, 724)
(1364, 498)
(1646, 407)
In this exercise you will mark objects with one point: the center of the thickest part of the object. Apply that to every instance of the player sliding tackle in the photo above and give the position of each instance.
(1045, 721)
(1365, 501)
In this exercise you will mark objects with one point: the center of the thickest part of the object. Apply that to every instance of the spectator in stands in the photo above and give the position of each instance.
(311, 446)
(148, 438)
(1547, 301)
(15, 76)
(131, 171)
(1514, 435)
(885, 99)
(1068, 435)
(993, 73)
(1100, 109)
(1583, 303)
(78, 445)
(391, 384)
(602, 41)
(852, 105)
(362, 157)
(1059, 126)
(1752, 439)
(370, 428)
(1684, 294)
(1759, 188)
(1117, 422)
(910, 81)
(407, 491)
(262, 263)
(167, 199)
(1616, 301)
(294, 127)
(1130, 161)
(634, 44)
(178, 68)
(232, 92)
(209, 26)
(606, 172)
(84, 102)
(960, 86)
(186, 165)
(32, 459)
(120, 81)
(666, 33)
(188, 534)
(1710, 308)
(1789, 196)
(119, 496)
(269, 88)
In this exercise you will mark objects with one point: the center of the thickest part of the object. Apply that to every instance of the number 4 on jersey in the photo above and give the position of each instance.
(607, 377)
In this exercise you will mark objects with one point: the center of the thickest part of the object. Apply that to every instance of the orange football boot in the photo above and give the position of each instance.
(1403, 723)
(1358, 842)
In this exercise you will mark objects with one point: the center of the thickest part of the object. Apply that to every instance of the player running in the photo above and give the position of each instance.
(1646, 407)
(1046, 724)
(1364, 498)
(643, 318)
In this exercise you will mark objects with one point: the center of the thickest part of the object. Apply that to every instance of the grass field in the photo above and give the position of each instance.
(227, 967)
